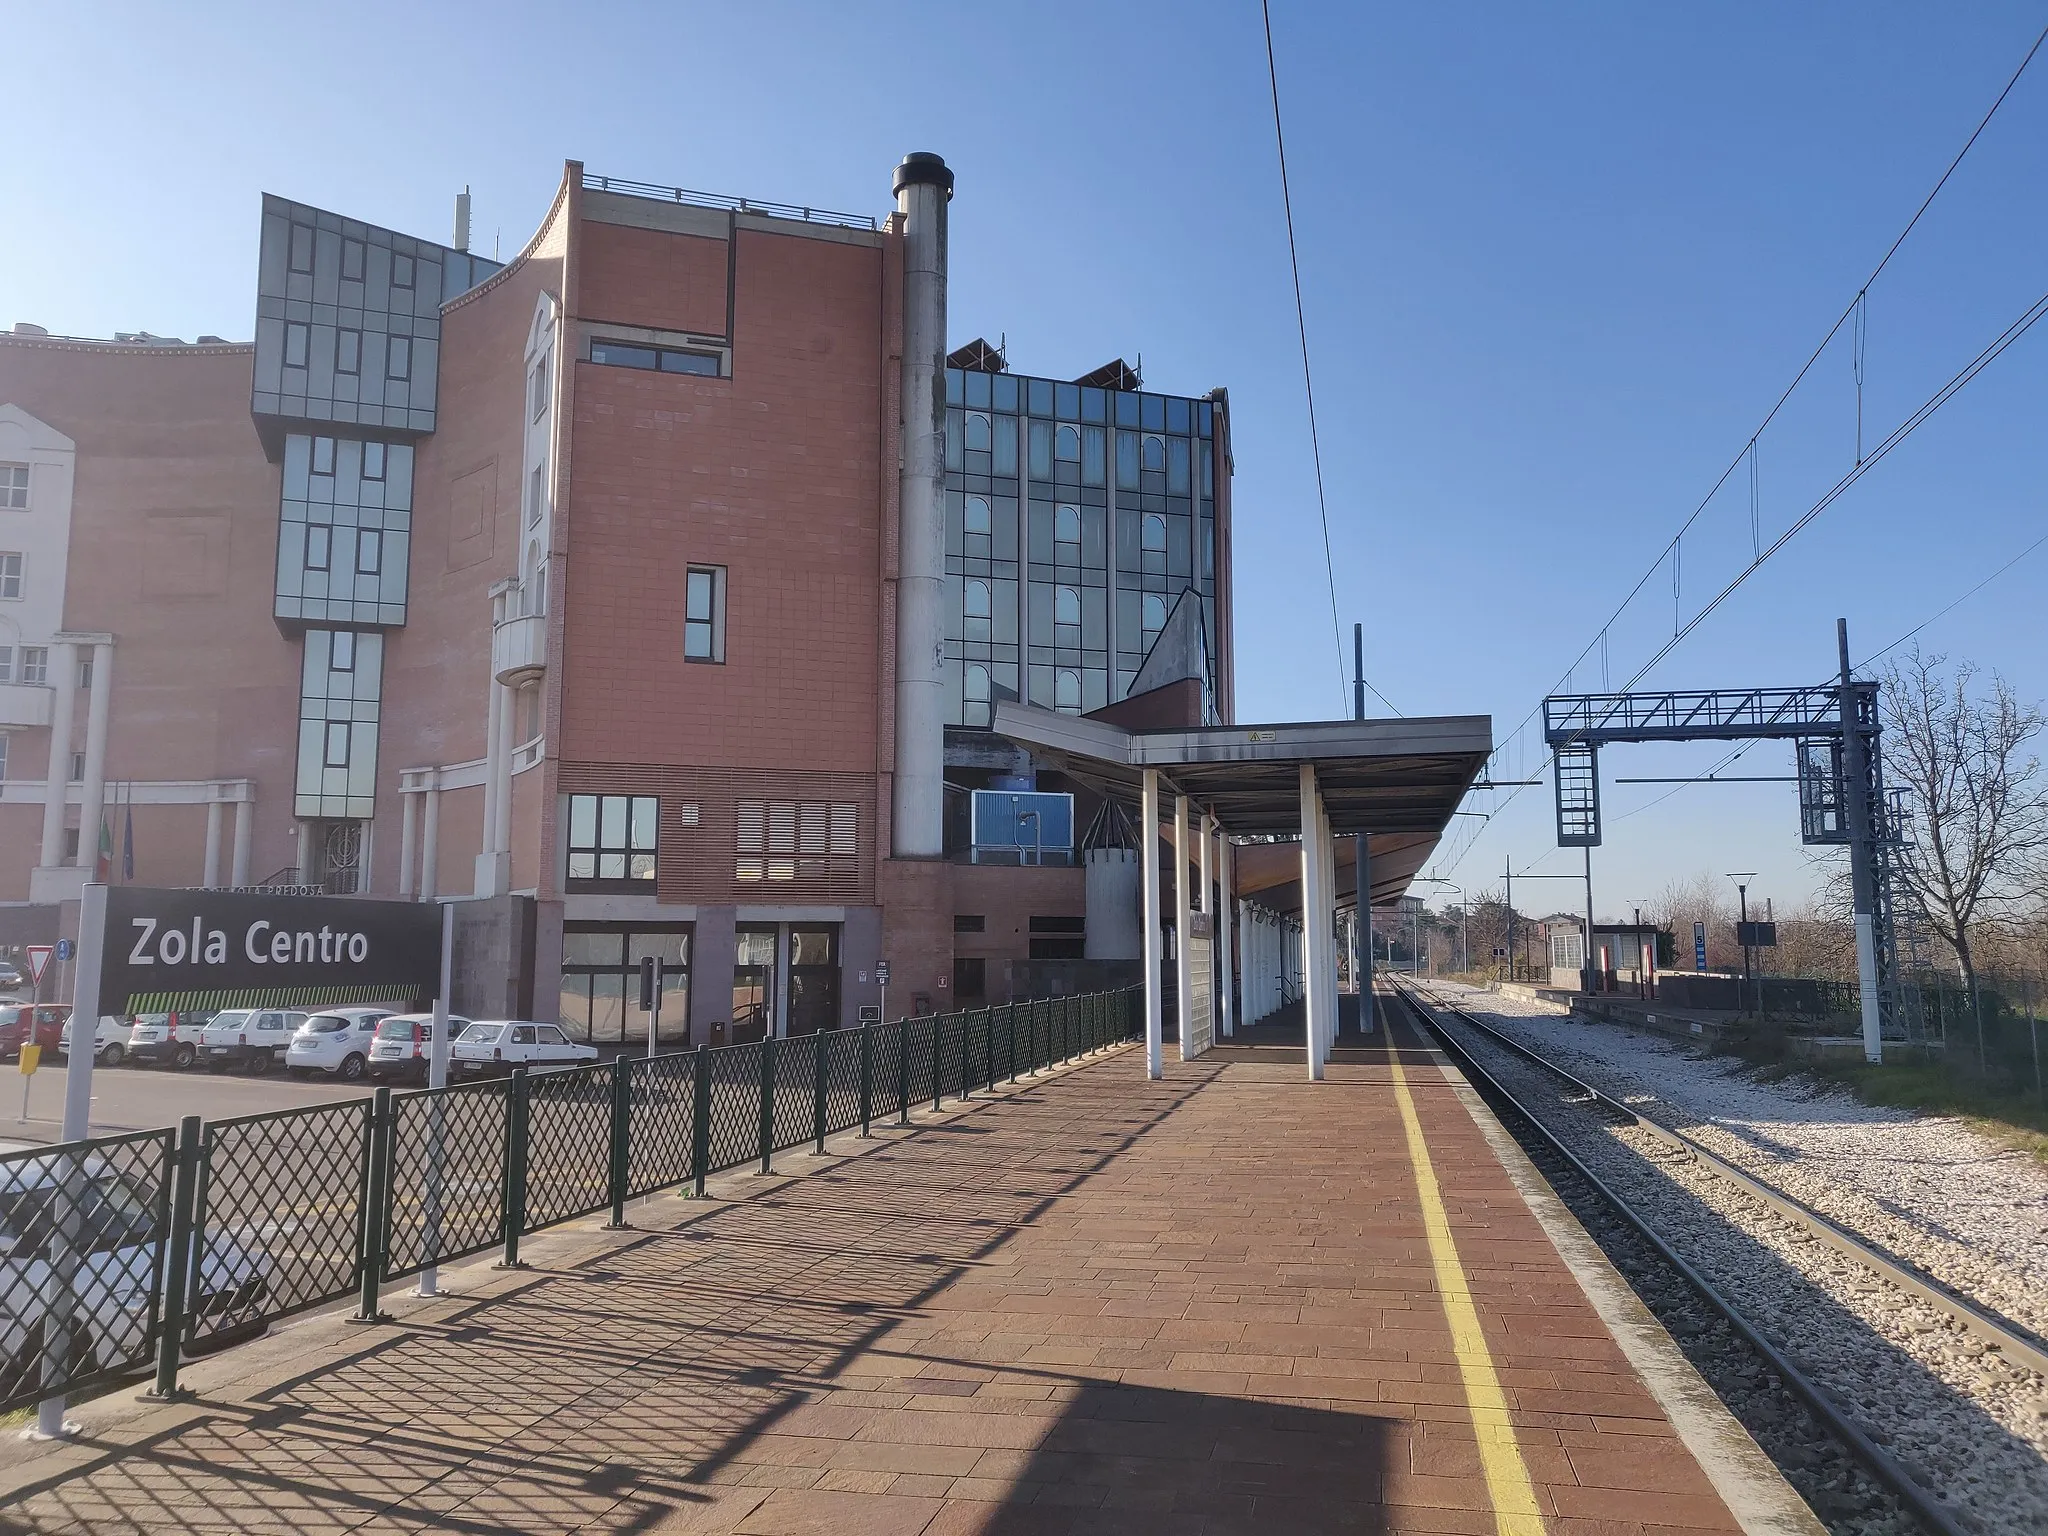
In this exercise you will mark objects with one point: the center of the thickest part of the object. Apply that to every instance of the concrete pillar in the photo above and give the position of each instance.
(780, 1025)
(1183, 910)
(1367, 1008)
(211, 878)
(430, 840)
(1148, 849)
(245, 837)
(1311, 903)
(501, 758)
(923, 188)
(1226, 936)
(408, 841)
(94, 794)
(64, 657)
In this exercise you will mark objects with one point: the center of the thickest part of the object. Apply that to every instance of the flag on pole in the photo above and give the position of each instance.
(103, 862)
(128, 843)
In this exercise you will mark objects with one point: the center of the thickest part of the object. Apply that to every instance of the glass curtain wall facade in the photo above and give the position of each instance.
(1075, 518)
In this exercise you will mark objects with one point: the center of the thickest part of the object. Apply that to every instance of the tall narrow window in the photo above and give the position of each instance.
(704, 614)
(10, 574)
(1066, 615)
(14, 487)
(369, 552)
(1154, 619)
(540, 389)
(979, 433)
(319, 546)
(35, 664)
(336, 755)
(6, 671)
(1152, 542)
(398, 364)
(536, 493)
(1066, 535)
(1066, 444)
(352, 261)
(1155, 455)
(302, 248)
(978, 610)
(298, 341)
(401, 270)
(976, 527)
(1067, 690)
(373, 461)
(341, 655)
(323, 455)
(348, 351)
(975, 696)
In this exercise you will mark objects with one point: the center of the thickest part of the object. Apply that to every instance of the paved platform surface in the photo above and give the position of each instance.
(1089, 1305)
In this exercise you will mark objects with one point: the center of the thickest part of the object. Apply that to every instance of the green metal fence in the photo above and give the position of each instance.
(146, 1248)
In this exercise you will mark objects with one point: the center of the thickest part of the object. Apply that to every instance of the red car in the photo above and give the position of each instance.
(25, 1023)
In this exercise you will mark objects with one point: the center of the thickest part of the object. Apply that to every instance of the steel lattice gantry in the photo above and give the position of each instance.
(1835, 731)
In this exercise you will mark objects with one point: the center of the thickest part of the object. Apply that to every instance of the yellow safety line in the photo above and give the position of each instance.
(1507, 1475)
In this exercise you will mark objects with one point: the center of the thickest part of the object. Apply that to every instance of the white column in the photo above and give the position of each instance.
(64, 657)
(501, 759)
(493, 707)
(1183, 889)
(1148, 847)
(1326, 845)
(95, 791)
(1311, 904)
(430, 840)
(211, 878)
(245, 835)
(1226, 937)
(1367, 1008)
(408, 841)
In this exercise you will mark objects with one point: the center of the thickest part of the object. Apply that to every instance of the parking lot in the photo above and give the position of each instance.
(129, 1098)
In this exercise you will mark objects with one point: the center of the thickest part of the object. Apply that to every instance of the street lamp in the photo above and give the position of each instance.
(1742, 877)
(1464, 932)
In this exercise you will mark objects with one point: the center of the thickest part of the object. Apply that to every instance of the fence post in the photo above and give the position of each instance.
(1011, 1010)
(867, 1080)
(516, 1108)
(767, 1103)
(937, 1076)
(376, 1196)
(821, 1045)
(622, 1138)
(903, 1071)
(700, 1119)
(966, 1054)
(988, 1047)
(178, 1264)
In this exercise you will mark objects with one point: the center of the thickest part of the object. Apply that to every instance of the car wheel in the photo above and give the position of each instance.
(111, 1056)
(352, 1068)
(260, 1063)
(182, 1057)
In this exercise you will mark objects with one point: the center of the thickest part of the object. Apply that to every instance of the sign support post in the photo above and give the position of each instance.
(439, 1049)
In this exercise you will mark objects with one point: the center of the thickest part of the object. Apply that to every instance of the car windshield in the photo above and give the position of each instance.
(154, 1020)
(234, 1018)
(481, 1034)
(397, 1029)
(324, 1024)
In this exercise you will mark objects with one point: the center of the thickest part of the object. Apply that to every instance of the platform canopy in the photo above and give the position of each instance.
(1396, 780)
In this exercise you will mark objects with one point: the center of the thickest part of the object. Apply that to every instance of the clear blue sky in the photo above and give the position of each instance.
(1558, 262)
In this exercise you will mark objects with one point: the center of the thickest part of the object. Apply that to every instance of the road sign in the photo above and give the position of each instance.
(1699, 946)
(66, 949)
(882, 973)
(1499, 953)
(1757, 935)
(39, 960)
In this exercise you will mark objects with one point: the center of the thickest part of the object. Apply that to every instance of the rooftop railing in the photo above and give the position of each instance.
(648, 189)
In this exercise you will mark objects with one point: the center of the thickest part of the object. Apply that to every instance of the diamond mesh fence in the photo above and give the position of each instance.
(735, 1105)
(83, 1227)
(842, 1079)
(920, 1033)
(568, 1144)
(796, 1065)
(447, 1206)
(280, 1216)
(664, 1121)
(947, 1029)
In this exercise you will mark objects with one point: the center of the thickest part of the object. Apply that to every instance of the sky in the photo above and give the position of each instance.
(1557, 264)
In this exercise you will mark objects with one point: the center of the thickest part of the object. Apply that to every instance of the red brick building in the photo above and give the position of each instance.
(572, 588)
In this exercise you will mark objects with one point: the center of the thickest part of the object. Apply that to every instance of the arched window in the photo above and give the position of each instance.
(978, 610)
(980, 435)
(1155, 454)
(977, 514)
(1066, 444)
(976, 699)
(1154, 618)
(1154, 534)
(1066, 531)
(1067, 690)
(1066, 607)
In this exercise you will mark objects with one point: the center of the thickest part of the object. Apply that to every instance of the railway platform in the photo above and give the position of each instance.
(1228, 1301)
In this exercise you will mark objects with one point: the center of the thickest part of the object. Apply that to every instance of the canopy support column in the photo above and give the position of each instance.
(1226, 937)
(1366, 1006)
(1148, 846)
(1183, 957)
(1312, 902)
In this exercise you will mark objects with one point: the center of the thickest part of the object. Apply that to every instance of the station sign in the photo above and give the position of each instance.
(1699, 947)
(1757, 935)
(168, 943)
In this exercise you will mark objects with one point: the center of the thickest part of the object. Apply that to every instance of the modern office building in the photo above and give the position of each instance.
(649, 591)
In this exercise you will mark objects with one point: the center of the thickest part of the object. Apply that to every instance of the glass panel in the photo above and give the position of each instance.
(1066, 443)
(611, 866)
(698, 603)
(575, 1012)
(1041, 450)
(812, 946)
(582, 866)
(620, 355)
(583, 820)
(754, 946)
(671, 949)
(1066, 606)
(1127, 461)
(977, 514)
(1006, 446)
(612, 821)
(1066, 527)
(592, 948)
(978, 433)
(608, 1008)
(643, 821)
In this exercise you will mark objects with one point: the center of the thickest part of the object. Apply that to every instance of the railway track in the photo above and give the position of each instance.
(1648, 1248)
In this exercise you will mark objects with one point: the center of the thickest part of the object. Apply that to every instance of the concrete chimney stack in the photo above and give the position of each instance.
(924, 186)
(462, 220)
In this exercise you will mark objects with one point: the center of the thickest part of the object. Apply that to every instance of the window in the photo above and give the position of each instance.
(1066, 444)
(612, 837)
(85, 674)
(978, 610)
(13, 487)
(298, 339)
(1066, 615)
(10, 574)
(3, 756)
(976, 696)
(786, 839)
(341, 655)
(536, 494)
(1066, 535)
(1059, 938)
(1155, 455)
(1153, 534)
(969, 924)
(323, 455)
(704, 614)
(78, 767)
(6, 667)
(71, 845)
(319, 546)
(35, 664)
(348, 351)
(1153, 617)
(369, 552)
(398, 358)
(539, 403)
(336, 755)
(352, 261)
(976, 524)
(980, 435)
(1067, 690)
(625, 354)
(601, 981)
(302, 248)
(401, 270)
(374, 457)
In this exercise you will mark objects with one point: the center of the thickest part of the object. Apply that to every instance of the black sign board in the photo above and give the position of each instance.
(168, 949)
(1757, 935)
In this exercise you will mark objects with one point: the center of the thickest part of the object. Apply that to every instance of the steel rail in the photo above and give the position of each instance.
(2013, 1341)
(1924, 1504)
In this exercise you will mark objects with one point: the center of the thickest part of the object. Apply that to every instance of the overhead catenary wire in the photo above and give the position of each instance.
(1308, 382)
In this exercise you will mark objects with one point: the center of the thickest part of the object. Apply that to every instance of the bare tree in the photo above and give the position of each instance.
(1974, 792)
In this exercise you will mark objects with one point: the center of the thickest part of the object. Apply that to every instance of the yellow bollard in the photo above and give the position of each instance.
(31, 1058)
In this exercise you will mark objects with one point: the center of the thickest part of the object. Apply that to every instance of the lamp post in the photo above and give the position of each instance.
(1037, 836)
(1742, 877)
(1464, 932)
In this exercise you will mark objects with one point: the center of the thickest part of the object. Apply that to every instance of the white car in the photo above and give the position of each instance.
(336, 1041)
(109, 1041)
(499, 1045)
(403, 1041)
(116, 1272)
(172, 1039)
(256, 1038)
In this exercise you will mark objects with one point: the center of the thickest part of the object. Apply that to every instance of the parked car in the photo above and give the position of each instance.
(170, 1039)
(10, 975)
(109, 1040)
(335, 1041)
(255, 1038)
(119, 1269)
(31, 1024)
(404, 1041)
(498, 1045)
